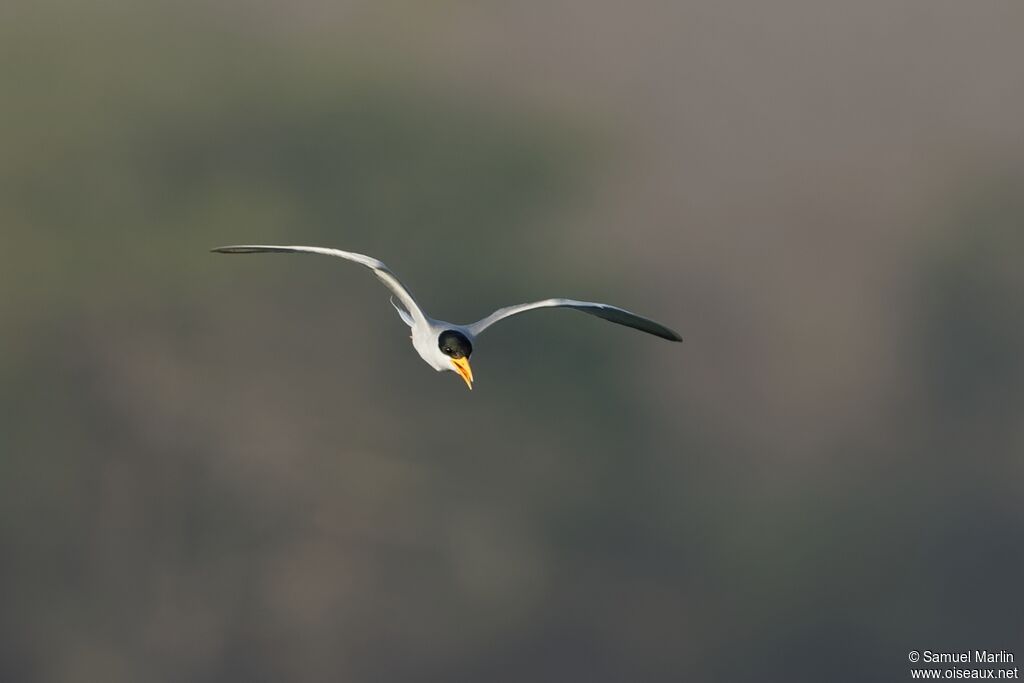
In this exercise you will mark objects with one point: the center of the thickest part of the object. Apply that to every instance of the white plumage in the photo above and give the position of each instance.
(446, 346)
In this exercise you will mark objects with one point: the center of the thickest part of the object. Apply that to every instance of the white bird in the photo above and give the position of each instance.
(446, 346)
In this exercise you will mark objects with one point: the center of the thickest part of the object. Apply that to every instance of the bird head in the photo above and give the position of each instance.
(458, 348)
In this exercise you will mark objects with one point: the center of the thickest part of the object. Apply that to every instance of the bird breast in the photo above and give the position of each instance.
(424, 340)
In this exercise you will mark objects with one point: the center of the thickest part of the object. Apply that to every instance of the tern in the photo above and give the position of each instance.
(445, 346)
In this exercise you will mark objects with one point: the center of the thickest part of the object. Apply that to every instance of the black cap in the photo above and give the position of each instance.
(455, 344)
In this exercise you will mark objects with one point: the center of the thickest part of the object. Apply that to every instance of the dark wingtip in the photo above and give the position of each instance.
(256, 250)
(669, 335)
(666, 333)
(243, 250)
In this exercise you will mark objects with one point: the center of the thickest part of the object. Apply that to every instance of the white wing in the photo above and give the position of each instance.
(382, 272)
(609, 313)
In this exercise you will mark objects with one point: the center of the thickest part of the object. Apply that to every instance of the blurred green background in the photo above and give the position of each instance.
(237, 469)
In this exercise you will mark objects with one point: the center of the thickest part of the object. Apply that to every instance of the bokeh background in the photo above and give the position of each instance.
(236, 469)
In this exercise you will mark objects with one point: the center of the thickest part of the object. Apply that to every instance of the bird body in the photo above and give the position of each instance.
(445, 346)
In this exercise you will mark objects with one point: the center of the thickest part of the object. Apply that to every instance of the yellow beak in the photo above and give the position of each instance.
(465, 372)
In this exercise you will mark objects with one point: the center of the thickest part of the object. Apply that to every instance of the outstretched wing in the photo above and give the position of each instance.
(382, 272)
(613, 314)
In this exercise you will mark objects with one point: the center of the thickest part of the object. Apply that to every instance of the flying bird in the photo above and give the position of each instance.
(446, 346)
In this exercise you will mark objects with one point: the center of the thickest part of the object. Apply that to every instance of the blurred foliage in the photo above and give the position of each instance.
(973, 311)
(218, 468)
